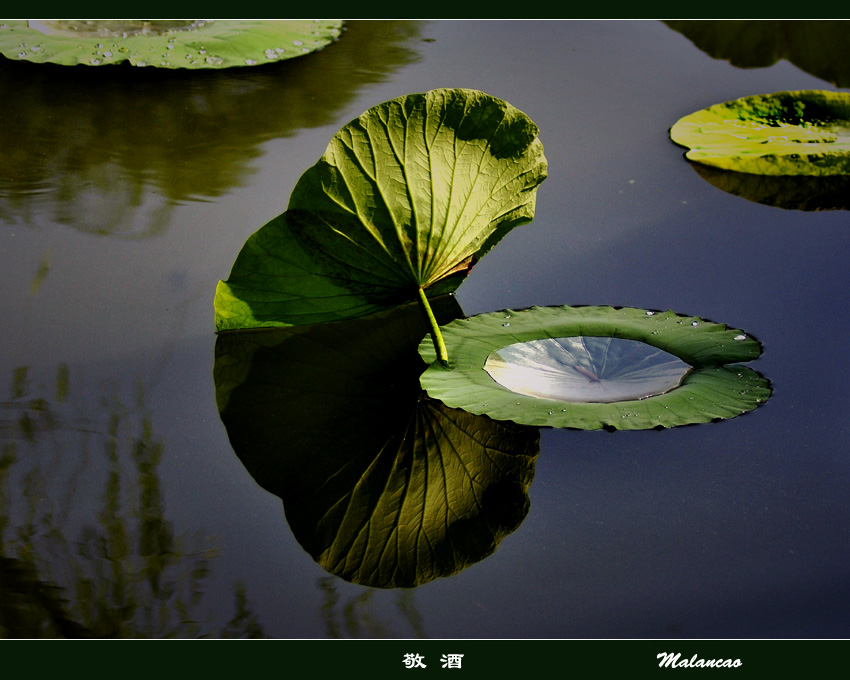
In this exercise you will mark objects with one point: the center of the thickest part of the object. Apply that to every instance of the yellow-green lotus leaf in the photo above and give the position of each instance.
(806, 132)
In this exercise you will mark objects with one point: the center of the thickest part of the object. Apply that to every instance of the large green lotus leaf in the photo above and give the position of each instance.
(595, 367)
(821, 48)
(381, 485)
(407, 197)
(805, 132)
(277, 281)
(165, 43)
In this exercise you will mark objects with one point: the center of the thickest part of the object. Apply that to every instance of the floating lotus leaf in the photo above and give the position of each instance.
(403, 203)
(380, 484)
(165, 43)
(806, 132)
(595, 367)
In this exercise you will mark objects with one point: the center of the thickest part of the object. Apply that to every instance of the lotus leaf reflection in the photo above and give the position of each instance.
(383, 486)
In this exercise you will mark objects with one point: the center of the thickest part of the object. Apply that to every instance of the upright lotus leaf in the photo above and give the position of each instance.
(821, 48)
(380, 484)
(165, 43)
(596, 367)
(277, 280)
(404, 201)
(806, 132)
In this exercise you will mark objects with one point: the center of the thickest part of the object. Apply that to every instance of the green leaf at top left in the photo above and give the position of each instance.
(407, 197)
(165, 43)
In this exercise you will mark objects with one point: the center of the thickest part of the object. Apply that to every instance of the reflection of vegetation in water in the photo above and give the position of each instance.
(821, 48)
(357, 618)
(792, 192)
(382, 486)
(112, 151)
(127, 574)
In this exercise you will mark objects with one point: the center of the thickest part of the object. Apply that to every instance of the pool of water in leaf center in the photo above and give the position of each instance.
(586, 369)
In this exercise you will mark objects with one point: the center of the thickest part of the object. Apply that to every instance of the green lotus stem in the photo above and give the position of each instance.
(436, 335)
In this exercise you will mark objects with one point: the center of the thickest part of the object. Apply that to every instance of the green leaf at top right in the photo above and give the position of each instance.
(804, 132)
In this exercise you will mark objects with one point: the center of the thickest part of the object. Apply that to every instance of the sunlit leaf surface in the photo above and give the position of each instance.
(805, 132)
(409, 195)
(165, 43)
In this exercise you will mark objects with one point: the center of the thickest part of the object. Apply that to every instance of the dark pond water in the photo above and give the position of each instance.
(125, 195)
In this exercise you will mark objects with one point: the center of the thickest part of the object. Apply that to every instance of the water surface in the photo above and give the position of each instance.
(126, 195)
